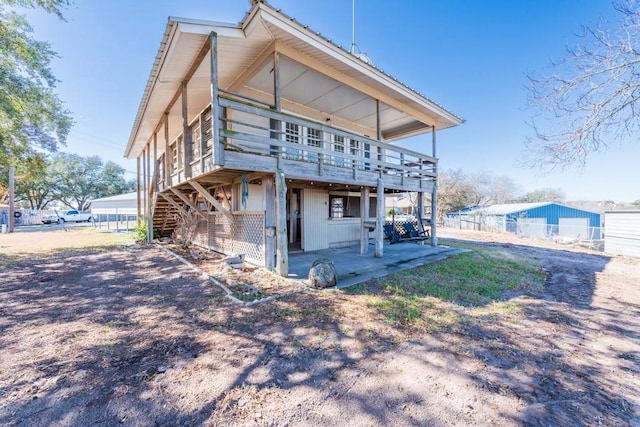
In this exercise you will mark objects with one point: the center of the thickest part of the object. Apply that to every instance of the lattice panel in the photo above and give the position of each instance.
(202, 233)
(248, 236)
(244, 236)
(220, 233)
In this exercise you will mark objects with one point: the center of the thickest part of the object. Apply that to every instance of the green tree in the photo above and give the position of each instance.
(543, 195)
(77, 179)
(34, 187)
(31, 114)
(591, 98)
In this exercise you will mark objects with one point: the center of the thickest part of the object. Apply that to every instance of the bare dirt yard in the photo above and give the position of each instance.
(95, 330)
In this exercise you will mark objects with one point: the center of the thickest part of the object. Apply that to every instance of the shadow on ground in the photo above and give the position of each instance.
(136, 338)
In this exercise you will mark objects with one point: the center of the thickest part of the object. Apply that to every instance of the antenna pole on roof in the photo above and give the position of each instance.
(353, 27)
(354, 50)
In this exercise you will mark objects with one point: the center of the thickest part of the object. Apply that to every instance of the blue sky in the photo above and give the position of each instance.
(470, 56)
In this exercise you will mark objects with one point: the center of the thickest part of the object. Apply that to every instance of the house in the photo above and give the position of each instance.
(276, 138)
(541, 220)
(622, 235)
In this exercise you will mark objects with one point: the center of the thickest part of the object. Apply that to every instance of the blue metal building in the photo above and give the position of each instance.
(544, 220)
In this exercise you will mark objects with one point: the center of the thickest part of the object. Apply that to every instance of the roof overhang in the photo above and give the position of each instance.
(318, 79)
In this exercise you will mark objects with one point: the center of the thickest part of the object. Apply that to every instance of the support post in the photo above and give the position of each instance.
(144, 184)
(12, 198)
(292, 216)
(380, 214)
(381, 151)
(274, 124)
(434, 192)
(364, 217)
(187, 147)
(282, 250)
(420, 213)
(137, 189)
(218, 148)
(270, 224)
(155, 163)
(168, 153)
(153, 186)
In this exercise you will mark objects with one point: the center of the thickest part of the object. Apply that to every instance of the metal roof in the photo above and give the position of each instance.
(509, 208)
(336, 83)
(119, 197)
(512, 208)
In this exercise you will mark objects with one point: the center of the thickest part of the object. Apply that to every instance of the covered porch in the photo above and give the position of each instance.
(353, 267)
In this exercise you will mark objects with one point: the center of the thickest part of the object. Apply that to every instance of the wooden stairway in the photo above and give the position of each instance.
(165, 215)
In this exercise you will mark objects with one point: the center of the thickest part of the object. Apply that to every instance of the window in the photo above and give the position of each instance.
(292, 135)
(313, 140)
(195, 140)
(161, 176)
(208, 133)
(337, 207)
(367, 155)
(338, 147)
(180, 153)
(354, 150)
(174, 156)
(344, 206)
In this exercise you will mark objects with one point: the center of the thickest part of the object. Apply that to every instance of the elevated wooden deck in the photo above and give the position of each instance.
(253, 138)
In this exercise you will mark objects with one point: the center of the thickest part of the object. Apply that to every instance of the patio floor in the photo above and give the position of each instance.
(353, 268)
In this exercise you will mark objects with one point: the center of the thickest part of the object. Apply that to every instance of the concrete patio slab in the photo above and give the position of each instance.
(354, 268)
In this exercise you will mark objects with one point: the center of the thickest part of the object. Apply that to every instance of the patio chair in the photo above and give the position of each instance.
(412, 233)
(391, 234)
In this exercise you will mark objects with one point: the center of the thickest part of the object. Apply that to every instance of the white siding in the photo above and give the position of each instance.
(622, 233)
(255, 201)
(315, 218)
(344, 231)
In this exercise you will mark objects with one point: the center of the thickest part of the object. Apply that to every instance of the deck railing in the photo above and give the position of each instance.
(255, 128)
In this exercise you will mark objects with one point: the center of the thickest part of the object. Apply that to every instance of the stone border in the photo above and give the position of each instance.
(226, 289)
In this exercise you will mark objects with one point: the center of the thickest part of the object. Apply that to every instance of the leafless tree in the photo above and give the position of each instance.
(591, 98)
(458, 190)
(187, 227)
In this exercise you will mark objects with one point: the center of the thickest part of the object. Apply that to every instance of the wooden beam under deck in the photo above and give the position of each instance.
(209, 198)
(186, 200)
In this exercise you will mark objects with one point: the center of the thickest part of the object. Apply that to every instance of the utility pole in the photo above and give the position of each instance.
(12, 172)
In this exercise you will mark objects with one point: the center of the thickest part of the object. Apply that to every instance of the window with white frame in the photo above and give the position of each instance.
(208, 133)
(195, 140)
(314, 139)
(338, 147)
(292, 135)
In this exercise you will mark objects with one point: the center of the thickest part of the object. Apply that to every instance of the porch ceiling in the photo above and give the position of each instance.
(317, 78)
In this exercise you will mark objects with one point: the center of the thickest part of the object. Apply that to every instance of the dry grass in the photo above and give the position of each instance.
(54, 238)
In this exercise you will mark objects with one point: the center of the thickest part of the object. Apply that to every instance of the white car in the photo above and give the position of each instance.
(49, 219)
(67, 216)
